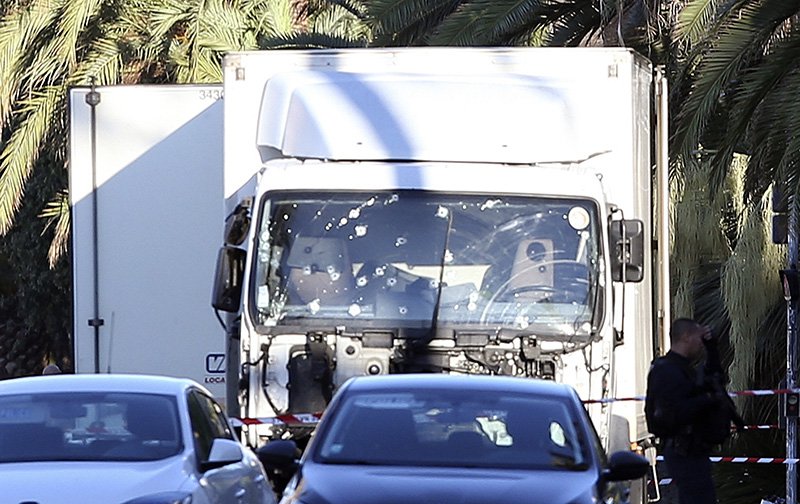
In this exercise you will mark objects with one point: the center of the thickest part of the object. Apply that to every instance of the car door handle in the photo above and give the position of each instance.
(240, 493)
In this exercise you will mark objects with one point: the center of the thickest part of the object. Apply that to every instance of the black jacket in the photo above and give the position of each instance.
(675, 402)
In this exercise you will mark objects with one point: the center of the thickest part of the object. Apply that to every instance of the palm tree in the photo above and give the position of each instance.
(505, 22)
(46, 46)
(741, 104)
(742, 77)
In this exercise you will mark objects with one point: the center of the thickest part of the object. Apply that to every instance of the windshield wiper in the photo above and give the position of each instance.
(597, 308)
(435, 316)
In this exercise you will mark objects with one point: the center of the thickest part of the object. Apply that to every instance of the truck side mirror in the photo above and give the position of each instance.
(626, 242)
(227, 294)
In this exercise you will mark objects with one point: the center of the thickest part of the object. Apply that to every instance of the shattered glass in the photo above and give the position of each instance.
(418, 259)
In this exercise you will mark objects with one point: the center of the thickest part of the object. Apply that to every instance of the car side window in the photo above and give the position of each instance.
(208, 423)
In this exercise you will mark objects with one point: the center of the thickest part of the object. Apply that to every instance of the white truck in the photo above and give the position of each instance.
(459, 210)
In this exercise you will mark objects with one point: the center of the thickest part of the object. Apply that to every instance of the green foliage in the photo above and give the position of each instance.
(751, 268)
(739, 75)
(47, 46)
(485, 23)
(35, 299)
(694, 21)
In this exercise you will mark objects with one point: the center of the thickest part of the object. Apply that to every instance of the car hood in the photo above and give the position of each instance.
(88, 482)
(340, 484)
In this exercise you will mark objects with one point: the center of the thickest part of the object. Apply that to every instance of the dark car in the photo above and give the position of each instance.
(452, 439)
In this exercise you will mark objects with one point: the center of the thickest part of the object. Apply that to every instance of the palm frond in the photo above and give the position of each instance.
(697, 216)
(419, 31)
(22, 149)
(341, 23)
(75, 16)
(768, 135)
(56, 212)
(405, 22)
(168, 16)
(487, 22)
(56, 56)
(220, 30)
(391, 16)
(17, 32)
(738, 38)
(206, 65)
(789, 166)
(354, 7)
(757, 82)
(311, 41)
(100, 65)
(463, 28)
(695, 20)
(573, 23)
(271, 18)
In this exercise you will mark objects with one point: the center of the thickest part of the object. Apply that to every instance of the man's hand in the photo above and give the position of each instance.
(709, 339)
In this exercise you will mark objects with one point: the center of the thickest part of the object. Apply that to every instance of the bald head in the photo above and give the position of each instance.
(686, 338)
(682, 327)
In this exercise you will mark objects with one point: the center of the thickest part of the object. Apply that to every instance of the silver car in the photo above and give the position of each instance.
(130, 439)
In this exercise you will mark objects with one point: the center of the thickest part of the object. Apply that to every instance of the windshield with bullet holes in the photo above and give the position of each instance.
(415, 259)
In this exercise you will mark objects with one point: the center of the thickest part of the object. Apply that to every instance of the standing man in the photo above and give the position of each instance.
(687, 411)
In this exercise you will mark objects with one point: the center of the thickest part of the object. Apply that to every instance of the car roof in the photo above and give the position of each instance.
(97, 383)
(401, 382)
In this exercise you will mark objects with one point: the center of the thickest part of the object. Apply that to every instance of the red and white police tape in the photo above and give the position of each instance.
(759, 427)
(732, 394)
(313, 418)
(748, 460)
(295, 419)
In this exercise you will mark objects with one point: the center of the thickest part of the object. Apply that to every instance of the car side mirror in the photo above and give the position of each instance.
(279, 454)
(626, 247)
(625, 465)
(280, 459)
(227, 294)
(223, 452)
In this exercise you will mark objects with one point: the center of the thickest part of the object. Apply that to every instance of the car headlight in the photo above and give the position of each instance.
(163, 498)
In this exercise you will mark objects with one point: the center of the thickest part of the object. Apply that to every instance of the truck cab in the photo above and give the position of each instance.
(482, 211)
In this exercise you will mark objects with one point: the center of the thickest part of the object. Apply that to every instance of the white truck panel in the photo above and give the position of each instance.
(159, 224)
(581, 75)
(333, 115)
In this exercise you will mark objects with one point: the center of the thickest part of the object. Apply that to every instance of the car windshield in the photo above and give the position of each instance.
(415, 259)
(88, 427)
(445, 428)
